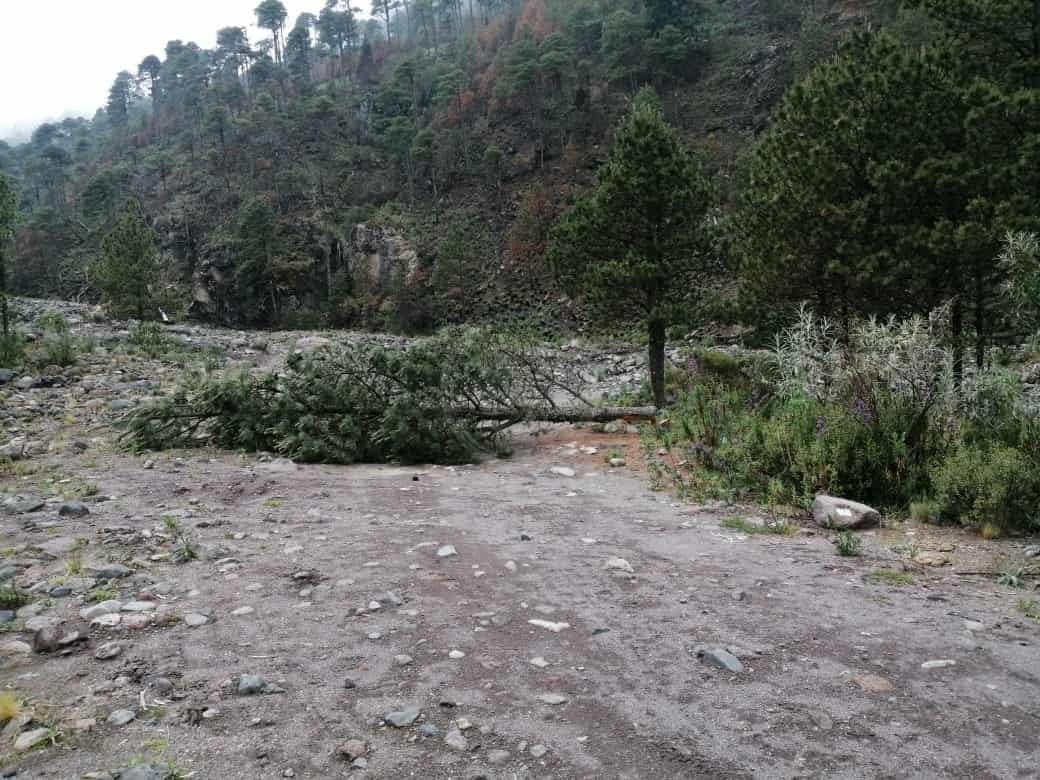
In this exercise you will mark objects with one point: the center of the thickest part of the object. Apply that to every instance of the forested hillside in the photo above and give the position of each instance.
(455, 133)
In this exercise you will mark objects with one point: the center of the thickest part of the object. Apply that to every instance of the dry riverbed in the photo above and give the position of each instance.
(546, 616)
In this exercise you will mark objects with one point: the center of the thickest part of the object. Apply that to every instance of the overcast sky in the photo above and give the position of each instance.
(58, 57)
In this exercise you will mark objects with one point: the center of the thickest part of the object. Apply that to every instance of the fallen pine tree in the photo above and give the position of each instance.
(438, 400)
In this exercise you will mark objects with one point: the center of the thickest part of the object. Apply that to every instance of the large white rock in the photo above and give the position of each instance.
(832, 512)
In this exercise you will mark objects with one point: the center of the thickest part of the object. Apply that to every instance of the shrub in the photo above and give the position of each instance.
(58, 347)
(848, 544)
(10, 706)
(924, 512)
(896, 579)
(1030, 608)
(12, 598)
(150, 339)
(1013, 577)
(873, 415)
(998, 485)
(12, 349)
(778, 527)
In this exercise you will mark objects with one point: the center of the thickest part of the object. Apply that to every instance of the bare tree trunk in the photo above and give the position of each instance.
(656, 356)
(572, 415)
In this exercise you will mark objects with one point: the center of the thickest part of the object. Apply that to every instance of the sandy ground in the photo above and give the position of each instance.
(340, 568)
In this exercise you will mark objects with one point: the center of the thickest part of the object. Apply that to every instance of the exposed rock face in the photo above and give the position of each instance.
(380, 254)
(831, 512)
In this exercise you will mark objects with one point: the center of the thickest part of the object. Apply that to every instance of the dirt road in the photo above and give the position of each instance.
(357, 593)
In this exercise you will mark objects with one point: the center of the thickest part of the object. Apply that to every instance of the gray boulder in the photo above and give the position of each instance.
(73, 509)
(832, 512)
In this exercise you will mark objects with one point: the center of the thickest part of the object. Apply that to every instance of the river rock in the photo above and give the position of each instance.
(832, 512)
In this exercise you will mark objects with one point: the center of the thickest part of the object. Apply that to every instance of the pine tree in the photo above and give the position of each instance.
(127, 268)
(884, 186)
(636, 245)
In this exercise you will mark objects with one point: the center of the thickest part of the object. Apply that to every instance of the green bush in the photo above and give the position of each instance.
(57, 346)
(150, 339)
(848, 544)
(797, 446)
(12, 349)
(998, 485)
(924, 512)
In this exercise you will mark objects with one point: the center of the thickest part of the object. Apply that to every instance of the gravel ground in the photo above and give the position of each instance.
(356, 592)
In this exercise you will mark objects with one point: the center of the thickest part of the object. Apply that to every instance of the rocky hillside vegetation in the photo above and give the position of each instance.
(398, 172)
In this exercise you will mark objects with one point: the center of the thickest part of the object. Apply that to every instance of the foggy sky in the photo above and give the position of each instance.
(58, 57)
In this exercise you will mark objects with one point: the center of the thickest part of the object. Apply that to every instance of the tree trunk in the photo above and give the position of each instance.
(570, 415)
(957, 337)
(657, 340)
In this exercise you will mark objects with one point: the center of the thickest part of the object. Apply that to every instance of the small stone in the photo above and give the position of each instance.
(121, 717)
(136, 620)
(456, 655)
(73, 509)
(931, 558)
(251, 684)
(456, 741)
(392, 599)
(447, 551)
(139, 606)
(162, 686)
(429, 730)
(552, 699)
(27, 740)
(349, 684)
(872, 683)
(619, 564)
(360, 763)
(549, 625)
(403, 660)
(353, 749)
(562, 471)
(242, 611)
(938, 664)
(974, 625)
(47, 639)
(41, 621)
(498, 757)
(402, 718)
(723, 659)
(195, 619)
(374, 635)
(113, 571)
(511, 566)
(101, 608)
(617, 462)
(144, 772)
(108, 651)
(110, 620)
(538, 751)
(540, 662)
